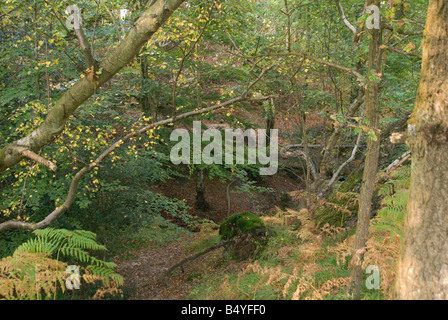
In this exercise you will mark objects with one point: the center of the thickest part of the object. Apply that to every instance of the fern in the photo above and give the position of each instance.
(31, 276)
(395, 191)
(335, 210)
(72, 245)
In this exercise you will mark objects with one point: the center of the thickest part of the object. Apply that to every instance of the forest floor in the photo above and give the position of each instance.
(144, 275)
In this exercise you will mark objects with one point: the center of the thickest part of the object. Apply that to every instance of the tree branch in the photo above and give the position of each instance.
(284, 154)
(149, 22)
(75, 182)
(34, 156)
(392, 49)
(197, 255)
(344, 19)
(86, 48)
(342, 166)
(398, 162)
(320, 61)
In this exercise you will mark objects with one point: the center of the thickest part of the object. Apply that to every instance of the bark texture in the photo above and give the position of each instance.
(423, 264)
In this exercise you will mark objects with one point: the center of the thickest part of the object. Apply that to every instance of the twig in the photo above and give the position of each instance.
(300, 145)
(324, 62)
(414, 54)
(85, 47)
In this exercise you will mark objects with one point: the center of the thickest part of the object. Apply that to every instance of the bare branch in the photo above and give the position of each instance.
(285, 154)
(301, 145)
(337, 66)
(320, 61)
(398, 162)
(197, 255)
(34, 156)
(85, 47)
(344, 18)
(394, 165)
(342, 166)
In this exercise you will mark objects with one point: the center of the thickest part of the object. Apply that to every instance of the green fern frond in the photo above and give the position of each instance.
(107, 274)
(395, 191)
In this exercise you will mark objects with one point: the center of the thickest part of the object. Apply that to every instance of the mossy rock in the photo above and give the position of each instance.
(247, 232)
(241, 223)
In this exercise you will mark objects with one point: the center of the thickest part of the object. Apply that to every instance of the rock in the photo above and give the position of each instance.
(248, 232)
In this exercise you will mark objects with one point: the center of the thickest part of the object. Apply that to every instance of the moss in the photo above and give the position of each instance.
(240, 223)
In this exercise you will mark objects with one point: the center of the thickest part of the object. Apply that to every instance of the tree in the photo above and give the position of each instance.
(372, 156)
(423, 264)
(148, 23)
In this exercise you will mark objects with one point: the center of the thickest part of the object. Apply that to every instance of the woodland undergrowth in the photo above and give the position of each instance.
(303, 260)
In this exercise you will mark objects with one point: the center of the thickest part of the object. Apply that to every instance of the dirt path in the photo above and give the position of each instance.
(144, 275)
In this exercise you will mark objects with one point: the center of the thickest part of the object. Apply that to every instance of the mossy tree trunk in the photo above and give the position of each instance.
(423, 264)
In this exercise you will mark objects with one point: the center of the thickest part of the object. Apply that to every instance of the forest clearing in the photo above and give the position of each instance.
(224, 150)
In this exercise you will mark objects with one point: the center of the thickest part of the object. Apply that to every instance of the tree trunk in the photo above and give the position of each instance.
(201, 203)
(423, 264)
(371, 162)
(269, 111)
(147, 105)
